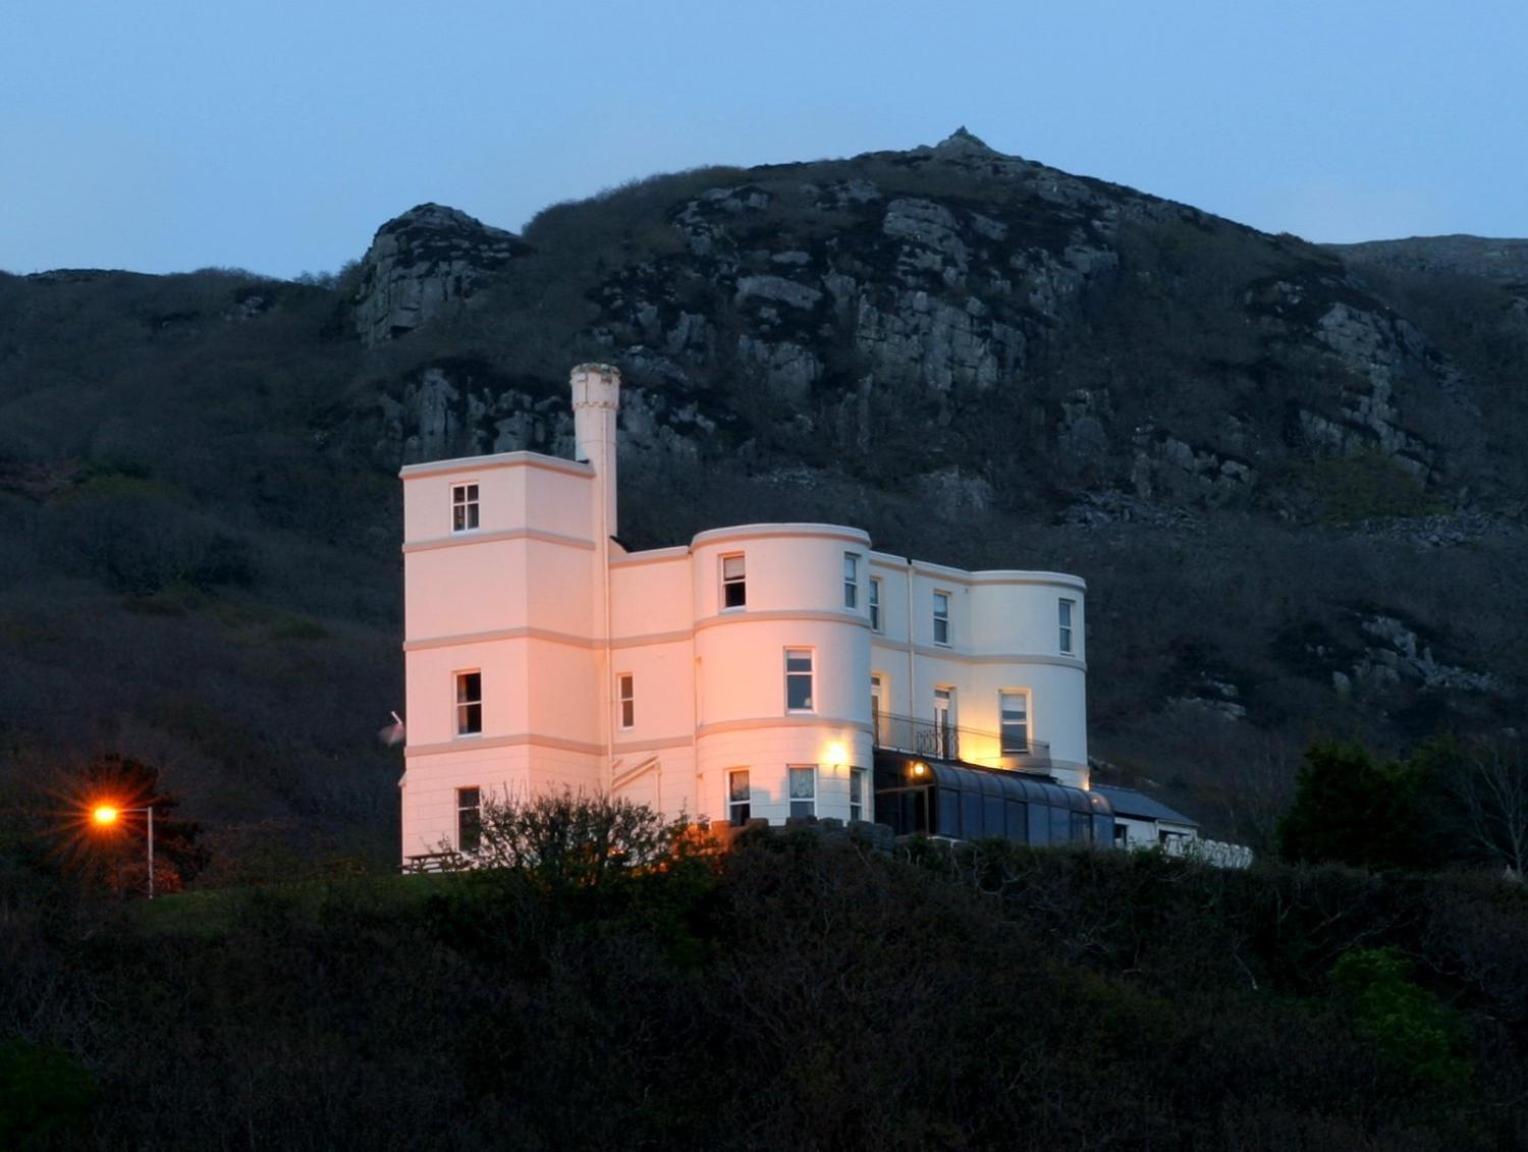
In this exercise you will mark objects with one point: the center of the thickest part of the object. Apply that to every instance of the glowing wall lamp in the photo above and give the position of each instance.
(919, 770)
(107, 815)
(837, 755)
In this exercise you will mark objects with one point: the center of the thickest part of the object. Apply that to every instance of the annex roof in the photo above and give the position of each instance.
(1128, 802)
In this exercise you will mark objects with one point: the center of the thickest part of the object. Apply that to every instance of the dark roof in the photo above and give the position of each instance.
(1027, 786)
(1130, 803)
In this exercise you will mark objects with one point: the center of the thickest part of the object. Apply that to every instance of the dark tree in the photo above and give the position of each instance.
(1350, 808)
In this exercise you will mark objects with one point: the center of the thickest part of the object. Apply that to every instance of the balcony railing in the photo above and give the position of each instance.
(943, 741)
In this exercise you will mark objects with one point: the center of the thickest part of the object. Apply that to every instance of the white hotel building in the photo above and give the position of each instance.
(761, 671)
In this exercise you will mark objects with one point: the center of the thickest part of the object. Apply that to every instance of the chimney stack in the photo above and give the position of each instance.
(596, 399)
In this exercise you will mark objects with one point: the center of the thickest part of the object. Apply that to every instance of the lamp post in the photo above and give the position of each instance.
(106, 815)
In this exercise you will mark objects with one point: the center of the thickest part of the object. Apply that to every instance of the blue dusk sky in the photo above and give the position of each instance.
(167, 135)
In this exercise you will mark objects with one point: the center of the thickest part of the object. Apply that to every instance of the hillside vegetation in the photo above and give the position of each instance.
(1294, 477)
(800, 992)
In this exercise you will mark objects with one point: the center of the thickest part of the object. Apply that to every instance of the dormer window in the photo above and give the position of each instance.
(734, 582)
(464, 507)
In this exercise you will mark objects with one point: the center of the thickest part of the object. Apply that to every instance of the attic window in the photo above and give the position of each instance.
(464, 507)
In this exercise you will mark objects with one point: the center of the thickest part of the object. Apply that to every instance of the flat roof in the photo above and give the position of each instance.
(789, 528)
(495, 460)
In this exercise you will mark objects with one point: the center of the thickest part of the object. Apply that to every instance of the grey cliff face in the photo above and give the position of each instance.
(994, 300)
(422, 261)
(958, 342)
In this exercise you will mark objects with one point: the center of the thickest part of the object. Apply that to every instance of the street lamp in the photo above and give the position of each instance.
(107, 815)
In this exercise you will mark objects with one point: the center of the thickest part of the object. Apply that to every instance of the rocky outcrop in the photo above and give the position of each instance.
(1397, 654)
(959, 287)
(422, 261)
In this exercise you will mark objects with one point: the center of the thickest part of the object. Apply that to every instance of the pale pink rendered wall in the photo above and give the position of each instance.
(653, 641)
(511, 600)
(650, 594)
(431, 683)
(522, 600)
(1004, 628)
(508, 772)
(795, 599)
(561, 495)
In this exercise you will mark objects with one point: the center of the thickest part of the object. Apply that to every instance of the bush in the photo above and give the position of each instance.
(1413, 1031)
(44, 1093)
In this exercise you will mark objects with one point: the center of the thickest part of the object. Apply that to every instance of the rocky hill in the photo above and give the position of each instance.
(1294, 476)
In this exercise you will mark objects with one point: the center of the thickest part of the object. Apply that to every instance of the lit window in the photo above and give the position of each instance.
(1064, 610)
(469, 703)
(946, 742)
(803, 790)
(851, 581)
(798, 680)
(1014, 708)
(941, 617)
(464, 507)
(734, 585)
(856, 794)
(875, 603)
(469, 819)
(627, 685)
(738, 796)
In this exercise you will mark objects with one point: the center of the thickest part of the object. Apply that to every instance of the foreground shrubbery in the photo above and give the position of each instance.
(799, 991)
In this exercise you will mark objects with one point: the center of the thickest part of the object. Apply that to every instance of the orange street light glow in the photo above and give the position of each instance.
(105, 814)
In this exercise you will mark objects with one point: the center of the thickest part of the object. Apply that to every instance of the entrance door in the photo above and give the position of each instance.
(944, 723)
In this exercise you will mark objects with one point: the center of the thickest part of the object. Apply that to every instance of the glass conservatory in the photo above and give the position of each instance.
(963, 802)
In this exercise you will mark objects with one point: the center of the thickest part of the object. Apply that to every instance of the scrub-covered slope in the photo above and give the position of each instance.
(1292, 475)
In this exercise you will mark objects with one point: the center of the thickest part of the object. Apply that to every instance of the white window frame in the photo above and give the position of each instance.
(733, 803)
(792, 774)
(740, 581)
(875, 604)
(851, 581)
(476, 808)
(942, 617)
(626, 700)
(462, 704)
(858, 777)
(464, 506)
(1029, 721)
(1066, 616)
(811, 679)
